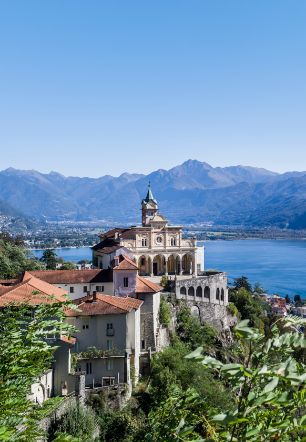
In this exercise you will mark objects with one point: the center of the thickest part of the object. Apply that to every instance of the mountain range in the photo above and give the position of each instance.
(193, 192)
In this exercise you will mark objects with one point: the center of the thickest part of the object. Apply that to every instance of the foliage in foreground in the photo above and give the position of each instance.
(269, 384)
(25, 356)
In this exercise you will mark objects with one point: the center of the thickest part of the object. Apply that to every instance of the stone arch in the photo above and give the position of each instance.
(183, 290)
(199, 292)
(159, 265)
(191, 291)
(143, 265)
(172, 265)
(195, 312)
(222, 295)
(187, 264)
(207, 293)
(218, 294)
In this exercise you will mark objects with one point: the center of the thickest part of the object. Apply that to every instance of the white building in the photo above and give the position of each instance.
(157, 247)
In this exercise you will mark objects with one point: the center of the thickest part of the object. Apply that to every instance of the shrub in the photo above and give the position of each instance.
(164, 312)
(79, 422)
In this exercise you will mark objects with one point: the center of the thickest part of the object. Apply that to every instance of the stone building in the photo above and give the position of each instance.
(157, 247)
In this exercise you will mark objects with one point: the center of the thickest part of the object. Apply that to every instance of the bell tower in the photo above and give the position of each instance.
(148, 207)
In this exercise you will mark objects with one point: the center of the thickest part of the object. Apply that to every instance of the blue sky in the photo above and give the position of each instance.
(95, 87)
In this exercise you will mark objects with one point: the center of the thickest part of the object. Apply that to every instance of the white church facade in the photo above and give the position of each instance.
(157, 247)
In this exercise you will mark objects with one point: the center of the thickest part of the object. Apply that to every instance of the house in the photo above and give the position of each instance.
(78, 283)
(108, 338)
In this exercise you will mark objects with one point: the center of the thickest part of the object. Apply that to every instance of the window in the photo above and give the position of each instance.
(71, 289)
(85, 326)
(88, 368)
(198, 268)
(173, 241)
(143, 344)
(85, 289)
(109, 330)
(144, 242)
(109, 344)
(142, 261)
(125, 281)
(100, 288)
(159, 239)
(109, 364)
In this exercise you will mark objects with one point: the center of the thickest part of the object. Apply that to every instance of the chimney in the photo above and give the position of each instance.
(94, 296)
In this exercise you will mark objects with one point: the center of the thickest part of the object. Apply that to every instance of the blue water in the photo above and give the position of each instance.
(279, 266)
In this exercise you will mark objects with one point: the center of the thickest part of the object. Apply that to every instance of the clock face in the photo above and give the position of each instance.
(159, 239)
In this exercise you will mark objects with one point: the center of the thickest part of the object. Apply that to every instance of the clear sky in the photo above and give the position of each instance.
(95, 87)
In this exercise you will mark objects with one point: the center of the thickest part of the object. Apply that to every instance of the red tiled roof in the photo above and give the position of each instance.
(143, 285)
(31, 291)
(126, 264)
(73, 276)
(70, 340)
(104, 305)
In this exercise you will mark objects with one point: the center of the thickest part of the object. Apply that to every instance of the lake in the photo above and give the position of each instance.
(279, 266)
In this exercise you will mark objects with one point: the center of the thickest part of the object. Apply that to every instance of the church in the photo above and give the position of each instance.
(157, 247)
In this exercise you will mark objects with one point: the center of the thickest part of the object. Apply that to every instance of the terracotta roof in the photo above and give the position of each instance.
(107, 250)
(143, 285)
(68, 340)
(7, 282)
(126, 264)
(104, 305)
(113, 232)
(32, 291)
(73, 276)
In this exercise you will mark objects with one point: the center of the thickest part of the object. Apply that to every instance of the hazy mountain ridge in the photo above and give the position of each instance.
(191, 192)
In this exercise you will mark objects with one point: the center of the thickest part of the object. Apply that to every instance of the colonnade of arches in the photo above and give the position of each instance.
(199, 293)
(166, 265)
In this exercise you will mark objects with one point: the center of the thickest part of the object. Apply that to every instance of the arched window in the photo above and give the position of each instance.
(144, 242)
(222, 294)
(173, 241)
(199, 292)
(191, 291)
(218, 294)
(183, 291)
(207, 293)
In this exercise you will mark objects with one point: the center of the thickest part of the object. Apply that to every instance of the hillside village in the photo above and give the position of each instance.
(117, 304)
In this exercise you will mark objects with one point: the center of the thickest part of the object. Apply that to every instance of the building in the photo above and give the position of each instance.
(108, 339)
(157, 247)
(78, 283)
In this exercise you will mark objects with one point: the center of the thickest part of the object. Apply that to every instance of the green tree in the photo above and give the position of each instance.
(78, 422)
(14, 257)
(49, 258)
(298, 300)
(248, 306)
(164, 312)
(242, 283)
(67, 265)
(25, 355)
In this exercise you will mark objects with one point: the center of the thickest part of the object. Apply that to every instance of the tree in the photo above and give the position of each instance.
(258, 288)
(67, 265)
(49, 258)
(298, 300)
(242, 283)
(269, 384)
(14, 257)
(25, 355)
(288, 300)
(248, 306)
(164, 312)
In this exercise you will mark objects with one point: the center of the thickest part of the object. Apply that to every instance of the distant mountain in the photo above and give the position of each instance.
(13, 220)
(189, 193)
